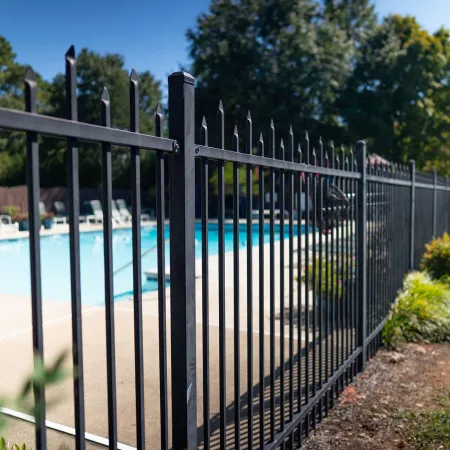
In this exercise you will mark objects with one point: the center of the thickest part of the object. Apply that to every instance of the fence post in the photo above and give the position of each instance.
(182, 261)
(447, 205)
(434, 202)
(412, 166)
(361, 227)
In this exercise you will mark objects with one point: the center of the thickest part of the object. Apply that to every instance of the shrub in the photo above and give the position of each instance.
(421, 312)
(10, 210)
(436, 259)
(334, 278)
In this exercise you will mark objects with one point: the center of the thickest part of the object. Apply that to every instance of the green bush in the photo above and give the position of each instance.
(10, 210)
(436, 259)
(325, 283)
(421, 312)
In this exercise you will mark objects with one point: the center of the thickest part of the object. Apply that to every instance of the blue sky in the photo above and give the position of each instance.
(149, 33)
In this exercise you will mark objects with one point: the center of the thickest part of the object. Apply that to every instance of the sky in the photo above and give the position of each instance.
(150, 34)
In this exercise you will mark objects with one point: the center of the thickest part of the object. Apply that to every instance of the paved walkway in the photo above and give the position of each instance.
(16, 351)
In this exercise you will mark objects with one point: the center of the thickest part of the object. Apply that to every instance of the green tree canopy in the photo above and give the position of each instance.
(282, 59)
(397, 96)
(94, 71)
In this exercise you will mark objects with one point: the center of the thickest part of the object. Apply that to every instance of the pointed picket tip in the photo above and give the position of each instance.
(204, 122)
(332, 144)
(271, 124)
(249, 116)
(220, 105)
(158, 109)
(105, 95)
(235, 131)
(30, 75)
(281, 143)
(71, 52)
(291, 131)
(320, 140)
(326, 154)
(134, 76)
(306, 135)
(261, 139)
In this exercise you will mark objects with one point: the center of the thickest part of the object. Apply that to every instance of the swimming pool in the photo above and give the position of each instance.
(15, 265)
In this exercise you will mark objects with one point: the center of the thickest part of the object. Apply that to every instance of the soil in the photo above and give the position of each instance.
(370, 414)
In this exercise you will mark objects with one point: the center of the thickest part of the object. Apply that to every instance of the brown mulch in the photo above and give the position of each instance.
(366, 417)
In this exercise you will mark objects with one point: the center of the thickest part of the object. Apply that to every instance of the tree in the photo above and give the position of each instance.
(397, 96)
(282, 59)
(94, 72)
(12, 144)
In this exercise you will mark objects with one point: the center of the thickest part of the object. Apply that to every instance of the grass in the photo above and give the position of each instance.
(429, 430)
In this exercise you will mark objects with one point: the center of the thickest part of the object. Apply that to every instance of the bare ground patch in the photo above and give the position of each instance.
(384, 406)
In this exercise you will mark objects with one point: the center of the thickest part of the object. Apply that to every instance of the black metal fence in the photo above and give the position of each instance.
(300, 304)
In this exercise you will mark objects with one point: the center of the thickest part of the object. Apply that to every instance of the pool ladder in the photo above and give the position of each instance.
(150, 250)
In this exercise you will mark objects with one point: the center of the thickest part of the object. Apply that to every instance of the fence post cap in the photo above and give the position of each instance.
(184, 76)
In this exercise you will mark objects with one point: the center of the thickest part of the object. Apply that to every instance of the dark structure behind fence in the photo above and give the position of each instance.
(314, 303)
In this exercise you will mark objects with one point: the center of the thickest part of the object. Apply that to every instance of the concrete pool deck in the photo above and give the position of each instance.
(16, 351)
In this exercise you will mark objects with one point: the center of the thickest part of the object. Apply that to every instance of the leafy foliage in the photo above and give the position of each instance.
(94, 72)
(42, 377)
(328, 277)
(436, 259)
(421, 312)
(297, 56)
(397, 96)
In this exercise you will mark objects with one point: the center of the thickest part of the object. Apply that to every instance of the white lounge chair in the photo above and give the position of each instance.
(126, 216)
(6, 223)
(97, 213)
(60, 213)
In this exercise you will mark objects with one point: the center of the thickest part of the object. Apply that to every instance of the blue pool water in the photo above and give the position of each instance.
(15, 266)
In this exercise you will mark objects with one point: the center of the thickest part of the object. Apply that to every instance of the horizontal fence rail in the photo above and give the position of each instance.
(277, 298)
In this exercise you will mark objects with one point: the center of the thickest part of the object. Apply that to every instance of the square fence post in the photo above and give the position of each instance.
(412, 166)
(447, 205)
(434, 203)
(361, 247)
(182, 261)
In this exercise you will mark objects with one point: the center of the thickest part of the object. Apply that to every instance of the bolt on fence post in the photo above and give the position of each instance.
(434, 202)
(361, 227)
(412, 167)
(182, 261)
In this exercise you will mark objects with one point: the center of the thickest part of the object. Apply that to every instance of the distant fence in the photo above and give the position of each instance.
(18, 196)
(309, 302)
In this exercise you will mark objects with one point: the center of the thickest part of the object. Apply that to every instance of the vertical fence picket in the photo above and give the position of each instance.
(272, 280)
(236, 287)
(74, 242)
(249, 188)
(32, 167)
(261, 299)
(205, 288)
(291, 282)
(137, 265)
(161, 256)
(108, 267)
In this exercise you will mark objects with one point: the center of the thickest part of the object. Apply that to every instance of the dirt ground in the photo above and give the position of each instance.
(389, 405)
